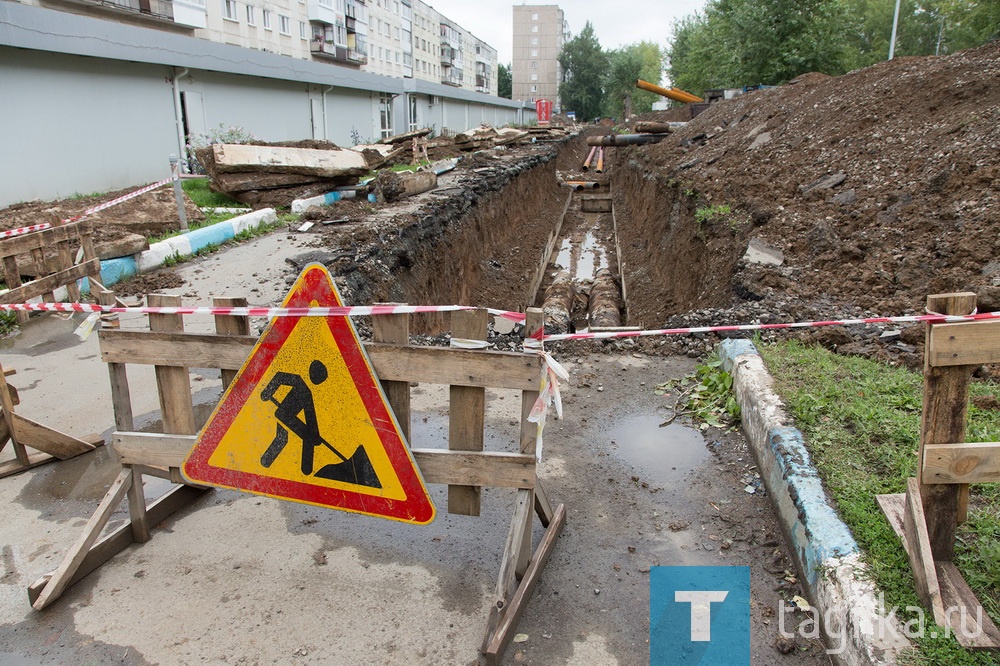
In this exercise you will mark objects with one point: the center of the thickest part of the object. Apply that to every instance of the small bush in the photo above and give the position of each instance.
(221, 134)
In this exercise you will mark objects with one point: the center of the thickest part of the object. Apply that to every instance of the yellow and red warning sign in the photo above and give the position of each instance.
(306, 420)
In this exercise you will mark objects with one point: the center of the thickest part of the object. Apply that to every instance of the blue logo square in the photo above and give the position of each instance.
(699, 616)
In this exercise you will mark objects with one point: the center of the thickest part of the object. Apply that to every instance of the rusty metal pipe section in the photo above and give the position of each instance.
(590, 156)
(582, 184)
(600, 160)
(605, 301)
(558, 304)
(625, 139)
(675, 94)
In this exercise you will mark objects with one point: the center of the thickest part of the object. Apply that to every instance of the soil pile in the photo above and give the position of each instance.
(880, 186)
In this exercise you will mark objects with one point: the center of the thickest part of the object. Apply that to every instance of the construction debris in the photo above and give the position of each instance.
(392, 186)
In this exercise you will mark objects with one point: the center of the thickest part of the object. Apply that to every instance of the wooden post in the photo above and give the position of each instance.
(13, 278)
(121, 400)
(173, 383)
(395, 329)
(8, 416)
(467, 413)
(946, 404)
(230, 325)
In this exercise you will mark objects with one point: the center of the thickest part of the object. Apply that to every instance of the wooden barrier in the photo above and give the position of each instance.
(464, 466)
(51, 272)
(926, 516)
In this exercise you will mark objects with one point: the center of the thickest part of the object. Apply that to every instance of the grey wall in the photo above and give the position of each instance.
(81, 125)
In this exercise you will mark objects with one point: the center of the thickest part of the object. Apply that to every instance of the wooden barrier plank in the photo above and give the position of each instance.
(173, 383)
(919, 552)
(46, 439)
(466, 413)
(495, 469)
(962, 463)
(963, 611)
(964, 343)
(519, 602)
(431, 365)
(48, 283)
(230, 326)
(395, 329)
(62, 576)
(118, 540)
(25, 243)
(121, 399)
(945, 406)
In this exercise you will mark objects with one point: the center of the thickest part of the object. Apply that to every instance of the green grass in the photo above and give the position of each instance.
(861, 422)
(198, 191)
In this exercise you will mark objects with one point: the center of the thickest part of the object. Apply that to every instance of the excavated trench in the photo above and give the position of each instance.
(598, 251)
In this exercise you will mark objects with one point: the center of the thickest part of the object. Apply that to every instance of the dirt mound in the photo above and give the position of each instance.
(880, 186)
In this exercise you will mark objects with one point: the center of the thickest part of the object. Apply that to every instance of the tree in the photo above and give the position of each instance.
(584, 64)
(641, 60)
(505, 81)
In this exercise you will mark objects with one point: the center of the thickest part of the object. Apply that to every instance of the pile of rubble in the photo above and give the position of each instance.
(275, 174)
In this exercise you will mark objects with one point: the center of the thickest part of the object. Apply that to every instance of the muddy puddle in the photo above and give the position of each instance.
(664, 455)
(43, 335)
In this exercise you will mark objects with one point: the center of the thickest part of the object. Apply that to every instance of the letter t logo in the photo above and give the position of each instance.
(701, 612)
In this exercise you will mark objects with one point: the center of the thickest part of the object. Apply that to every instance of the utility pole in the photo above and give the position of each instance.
(895, 24)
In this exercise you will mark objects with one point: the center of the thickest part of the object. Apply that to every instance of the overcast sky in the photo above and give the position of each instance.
(616, 22)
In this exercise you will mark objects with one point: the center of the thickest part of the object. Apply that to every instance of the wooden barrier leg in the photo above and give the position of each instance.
(121, 400)
(60, 577)
(467, 414)
(395, 329)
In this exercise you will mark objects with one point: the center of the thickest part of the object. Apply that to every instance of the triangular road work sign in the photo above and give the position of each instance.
(306, 420)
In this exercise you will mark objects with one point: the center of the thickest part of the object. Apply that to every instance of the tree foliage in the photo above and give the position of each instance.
(584, 64)
(505, 81)
(745, 42)
(642, 60)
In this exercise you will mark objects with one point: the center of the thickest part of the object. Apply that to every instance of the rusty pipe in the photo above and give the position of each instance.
(600, 160)
(675, 94)
(590, 156)
(625, 139)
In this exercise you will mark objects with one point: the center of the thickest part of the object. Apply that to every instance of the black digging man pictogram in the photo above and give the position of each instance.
(296, 412)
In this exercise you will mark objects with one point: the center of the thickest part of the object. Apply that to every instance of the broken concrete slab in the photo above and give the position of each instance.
(845, 198)
(124, 246)
(235, 158)
(762, 139)
(759, 252)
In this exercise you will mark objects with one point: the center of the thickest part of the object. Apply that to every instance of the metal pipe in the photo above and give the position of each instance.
(600, 160)
(625, 139)
(590, 156)
(179, 117)
(895, 24)
(675, 94)
(583, 184)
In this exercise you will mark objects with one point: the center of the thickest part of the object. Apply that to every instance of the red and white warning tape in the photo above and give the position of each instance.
(534, 340)
(90, 211)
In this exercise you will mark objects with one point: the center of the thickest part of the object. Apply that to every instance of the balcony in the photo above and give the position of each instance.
(189, 13)
(452, 80)
(322, 11)
(331, 51)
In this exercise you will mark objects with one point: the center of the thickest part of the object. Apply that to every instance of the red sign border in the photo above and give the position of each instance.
(314, 284)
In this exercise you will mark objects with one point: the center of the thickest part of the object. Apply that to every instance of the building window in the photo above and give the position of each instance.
(534, 28)
(385, 114)
(534, 64)
(284, 24)
(534, 89)
(302, 30)
(250, 16)
(534, 16)
(229, 10)
(534, 77)
(534, 53)
(266, 18)
(534, 41)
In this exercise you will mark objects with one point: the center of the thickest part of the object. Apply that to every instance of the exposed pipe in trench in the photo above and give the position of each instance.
(590, 156)
(600, 160)
(558, 304)
(625, 139)
(605, 309)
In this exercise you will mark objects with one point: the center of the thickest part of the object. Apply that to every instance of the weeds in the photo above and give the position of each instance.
(707, 214)
(705, 395)
(199, 192)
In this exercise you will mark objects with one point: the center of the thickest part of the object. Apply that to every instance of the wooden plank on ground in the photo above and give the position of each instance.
(173, 383)
(505, 631)
(49, 440)
(395, 329)
(11, 467)
(964, 343)
(61, 577)
(36, 288)
(919, 552)
(466, 413)
(945, 406)
(119, 539)
(965, 616)
(230, 326)
(962, 463)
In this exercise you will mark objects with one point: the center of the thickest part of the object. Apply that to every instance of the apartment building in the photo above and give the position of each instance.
(539, 34)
